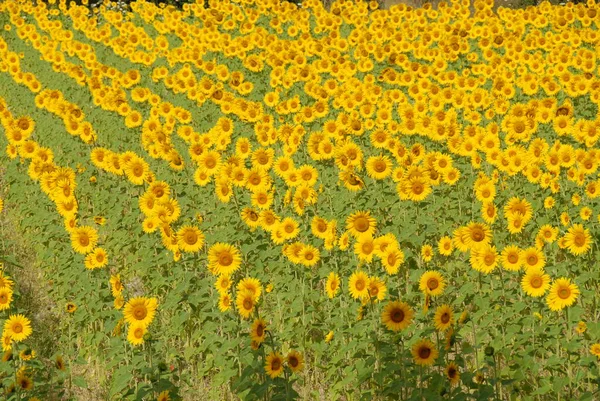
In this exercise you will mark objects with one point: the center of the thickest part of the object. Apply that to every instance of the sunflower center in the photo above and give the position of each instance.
(432, 283)
(564, 293)
(418, 188)
(379, 166)
(275, 365)
(532, 259)
(397, 316)
(445, 318)
(391, 259)
(247, 304)
(17, 328)
(424, 353)
(309, 256)
(140, 312)
(361, 224)
(360, 285)
(191, 238)
(2, 298)
(293, 361)
(513, 258)
(84, 240)
(477, 236)
(139, 332)
(536, 282)
(260, 330)
(579, 239)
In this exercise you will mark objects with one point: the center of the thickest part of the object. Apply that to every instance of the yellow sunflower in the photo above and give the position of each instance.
(563, 293)
(223, 259)
(190, 239)
(578, 239)
(359, 285)
(443, 318)
(361, 223)
(140, 310)
(424, 353)
(535, 282)
(397, 315)
(295, 361)
(332, 286)
(432, 283)
(84, 239)
(18, 327)
(274, 364)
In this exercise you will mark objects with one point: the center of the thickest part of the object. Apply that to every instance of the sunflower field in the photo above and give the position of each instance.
(254, 200)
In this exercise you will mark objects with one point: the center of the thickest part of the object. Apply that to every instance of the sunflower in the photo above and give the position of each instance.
(361, 223)
(432, 283)
(245, 303)
(258, 331)
(563, 293)
(250, 285)
(510, 258)
(223, 259)
(427, 252)
(535, 282)
(84, 239)
(391, 259)
(379, 167)
(274, 365)
(18, 327)
(364, 248)
(223, 283)
(5, 298)
(443, 318)
(578, 239)
(224, 302)
(164, 396)
(484, 258)
(532, 258)
(452, 373)
(359, 285)
(595, 349)
(397, 315)
(295, 361)
(377, 289)
(445, 246)
(332, 286)
(309, 256)
(190, 239)
(424, 353)
(70, 307)
(477, 234)
(140, 310)
(116, 286)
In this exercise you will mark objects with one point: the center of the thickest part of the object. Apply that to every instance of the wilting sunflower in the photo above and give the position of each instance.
(444, 317)
(332, 287)
(424, 353)
(223, 259)
(563, 293)
(295, 361)
(535, 282)
(397, 315)
(453, 373)
(361, 223)
(135, 334)
(258, 331)
(140, 310)
(84, 239)
(578, 239)
(359, 285)
(59, 363)
(190, 239)
(274, 365)
(432, 283)
(18, 327)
